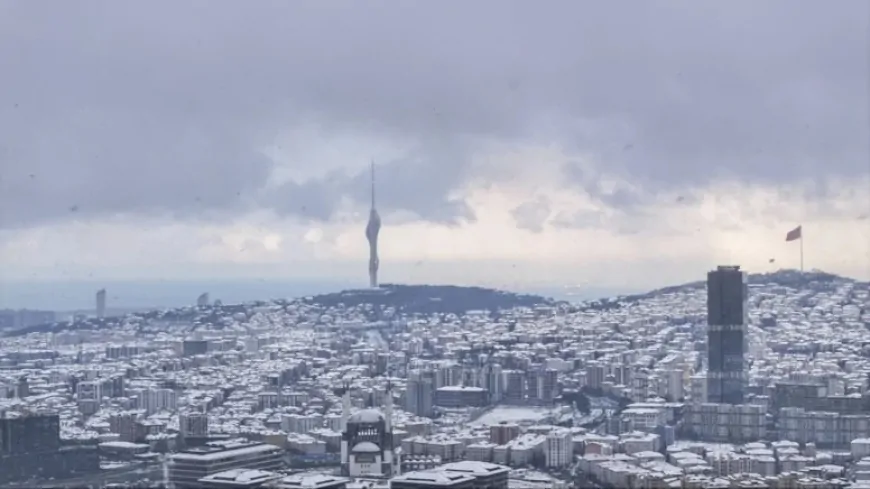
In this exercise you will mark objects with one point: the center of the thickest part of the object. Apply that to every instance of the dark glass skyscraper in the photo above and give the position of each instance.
(727, 295)
(101, 303)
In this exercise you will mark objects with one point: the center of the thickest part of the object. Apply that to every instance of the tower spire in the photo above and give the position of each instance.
(373, 184)
(372, 229)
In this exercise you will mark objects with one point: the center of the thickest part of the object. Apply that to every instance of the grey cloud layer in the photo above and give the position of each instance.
(164, 105)
(418, 183)
(533, 214)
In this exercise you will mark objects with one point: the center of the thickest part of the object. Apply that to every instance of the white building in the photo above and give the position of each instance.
(154, 400)
(89, 395)
(559, 448)
(299, 423)
(860, 448)
(645, 418)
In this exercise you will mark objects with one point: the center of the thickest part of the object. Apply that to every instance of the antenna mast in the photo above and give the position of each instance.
(373, 184)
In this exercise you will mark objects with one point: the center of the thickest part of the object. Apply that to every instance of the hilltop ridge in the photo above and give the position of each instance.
(431, 299)
(784, 277)
(425, 300)
(795, 279)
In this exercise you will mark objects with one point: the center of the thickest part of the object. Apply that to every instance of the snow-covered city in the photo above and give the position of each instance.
(393, 244)
(402, 387)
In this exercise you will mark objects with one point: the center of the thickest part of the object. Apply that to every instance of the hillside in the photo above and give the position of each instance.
(404, 299)
(428, 299)
(432, 299)
(815, 280)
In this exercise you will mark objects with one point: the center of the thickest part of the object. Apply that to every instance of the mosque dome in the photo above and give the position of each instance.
(365, 447)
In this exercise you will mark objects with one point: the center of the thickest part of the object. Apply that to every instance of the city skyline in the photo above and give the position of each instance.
(506, 160)
(625, 244)
(634, 376)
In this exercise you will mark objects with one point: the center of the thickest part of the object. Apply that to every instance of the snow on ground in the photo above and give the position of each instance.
(512, 415)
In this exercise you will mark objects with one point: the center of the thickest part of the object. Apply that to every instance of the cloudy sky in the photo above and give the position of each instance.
(516, 142)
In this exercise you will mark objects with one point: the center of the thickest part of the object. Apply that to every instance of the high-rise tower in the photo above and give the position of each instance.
(372, 230)
(727, 314)
(101, 303)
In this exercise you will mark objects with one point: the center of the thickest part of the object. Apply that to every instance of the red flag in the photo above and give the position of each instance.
(794, 234)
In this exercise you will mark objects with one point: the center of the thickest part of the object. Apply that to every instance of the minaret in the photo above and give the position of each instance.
(389, 462)
(372, 230)
(388, 410)
(345, 414)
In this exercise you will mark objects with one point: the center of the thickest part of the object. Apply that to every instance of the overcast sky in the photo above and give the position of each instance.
(515, 142)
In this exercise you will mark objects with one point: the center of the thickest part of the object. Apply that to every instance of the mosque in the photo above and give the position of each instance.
(367, 440)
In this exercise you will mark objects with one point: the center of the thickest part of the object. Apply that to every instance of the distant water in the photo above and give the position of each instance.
(68, 296)
(124, 295)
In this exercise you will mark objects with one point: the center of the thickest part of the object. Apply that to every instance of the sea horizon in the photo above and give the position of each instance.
(129, 295)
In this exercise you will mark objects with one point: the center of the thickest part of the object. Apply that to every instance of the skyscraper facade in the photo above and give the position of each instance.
(727, 319)
(420, 393)
(372, 230)
(101, 303)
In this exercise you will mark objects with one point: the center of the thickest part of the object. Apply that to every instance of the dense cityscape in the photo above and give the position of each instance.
(739, 381)
(434, 245)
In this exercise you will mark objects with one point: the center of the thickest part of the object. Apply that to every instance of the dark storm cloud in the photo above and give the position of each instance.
(145, 106)
(86, 165)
